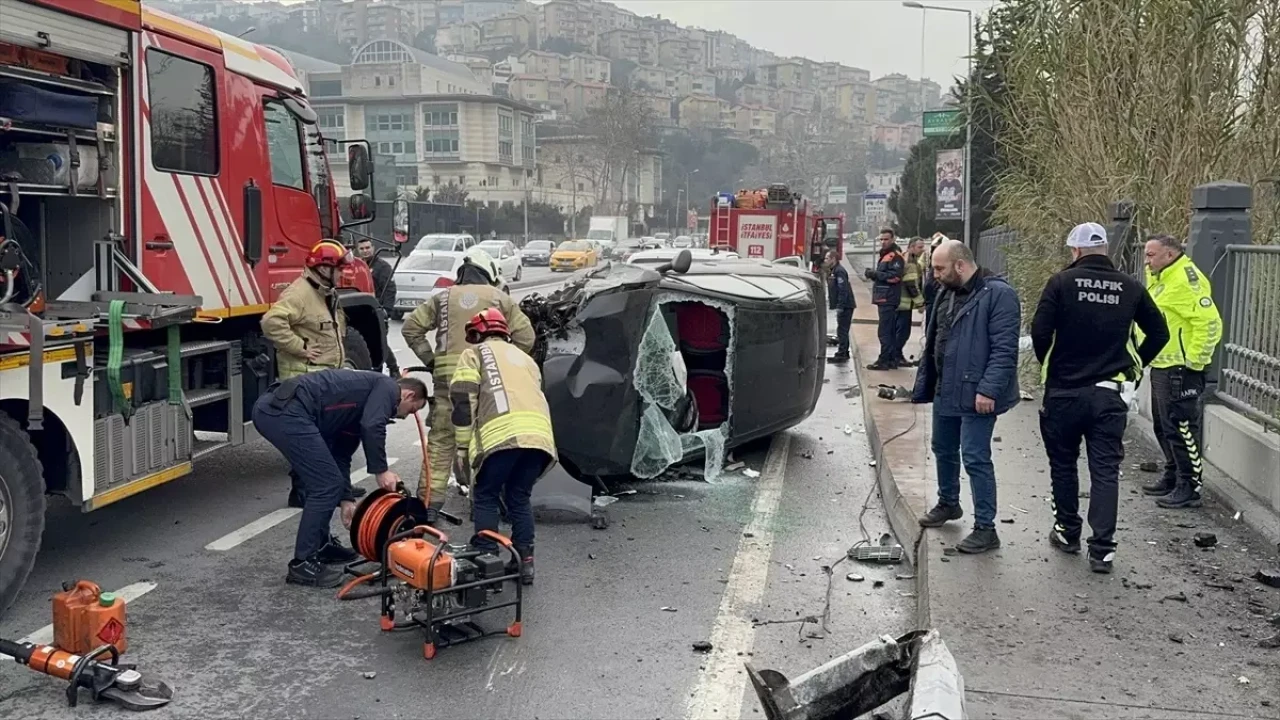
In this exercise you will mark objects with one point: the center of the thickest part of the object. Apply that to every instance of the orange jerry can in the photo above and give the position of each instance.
(85, 618)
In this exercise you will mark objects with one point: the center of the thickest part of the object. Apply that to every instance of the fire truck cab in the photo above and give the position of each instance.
(777, 224)
(161, 184)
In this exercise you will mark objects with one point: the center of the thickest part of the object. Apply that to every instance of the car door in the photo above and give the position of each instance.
(509, 261)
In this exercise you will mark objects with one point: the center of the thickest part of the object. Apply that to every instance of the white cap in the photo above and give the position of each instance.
(1087, 235)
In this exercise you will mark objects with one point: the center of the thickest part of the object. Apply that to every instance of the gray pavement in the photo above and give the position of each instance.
(235, 641)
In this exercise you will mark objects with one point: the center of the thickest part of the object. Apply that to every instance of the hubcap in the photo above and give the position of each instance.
(5, 521)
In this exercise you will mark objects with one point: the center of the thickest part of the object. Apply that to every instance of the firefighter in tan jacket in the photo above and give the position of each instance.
(446, 313)
(306, 326)
(503, 421)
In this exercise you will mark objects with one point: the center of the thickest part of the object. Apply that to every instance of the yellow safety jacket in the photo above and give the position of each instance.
(1185, 297)
(447, 313)
(305, 318)
(497, 391)
(912, 277)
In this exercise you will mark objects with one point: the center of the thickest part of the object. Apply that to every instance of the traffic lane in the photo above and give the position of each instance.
(829, 482)
(535, 275)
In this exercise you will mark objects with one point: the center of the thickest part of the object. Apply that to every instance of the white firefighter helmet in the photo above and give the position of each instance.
(484, 261)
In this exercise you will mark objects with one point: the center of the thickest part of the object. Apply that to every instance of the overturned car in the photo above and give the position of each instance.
(645, 367)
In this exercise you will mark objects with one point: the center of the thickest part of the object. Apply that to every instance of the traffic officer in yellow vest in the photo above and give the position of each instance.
(447, 313)
(504, 424)
(307, 326)
(1184, 296)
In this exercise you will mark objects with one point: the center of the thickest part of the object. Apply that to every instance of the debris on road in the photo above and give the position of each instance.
(668, 609)
(1149, 466)
(1205, 540)
(751, 473)
(1268, 577)
(1007, 521)
(848, 429)
(1176, 637)
(949, 551)
(1015, 507)
(369, 675)
(702, 646)
(731, 467)
(854, 577)
(1176, 597)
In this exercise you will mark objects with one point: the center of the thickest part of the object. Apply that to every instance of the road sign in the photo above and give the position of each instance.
(940, 123)
(838, 195)
(875, 206)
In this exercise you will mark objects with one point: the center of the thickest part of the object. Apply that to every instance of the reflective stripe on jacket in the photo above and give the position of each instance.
(498, 389)
(305, 318)
(447, 313)
(1185, 297)
(912, 281)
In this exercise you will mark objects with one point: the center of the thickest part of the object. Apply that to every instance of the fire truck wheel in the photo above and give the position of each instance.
(358, 355)
(21, 508)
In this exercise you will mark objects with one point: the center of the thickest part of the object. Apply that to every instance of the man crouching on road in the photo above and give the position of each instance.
(497, 390)
(317, 421)
(969, 372)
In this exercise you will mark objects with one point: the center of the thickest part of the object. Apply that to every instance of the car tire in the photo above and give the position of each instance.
(358, 355)
(22, 508)
(397, 315)
(519, 273)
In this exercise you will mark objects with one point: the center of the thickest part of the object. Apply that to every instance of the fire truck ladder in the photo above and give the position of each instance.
(721, 218)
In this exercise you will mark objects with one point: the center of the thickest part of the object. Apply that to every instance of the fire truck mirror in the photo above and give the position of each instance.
(359, 168)
(360, 207)
(252, 223)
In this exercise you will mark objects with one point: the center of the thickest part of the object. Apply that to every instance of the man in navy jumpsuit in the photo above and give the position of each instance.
(317, 420)
(840, 299)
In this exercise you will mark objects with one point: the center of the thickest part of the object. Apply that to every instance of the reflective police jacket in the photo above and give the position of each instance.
(306, 317)
(1185, 297)
(1082, 332)
(498, 402)
(447, 312)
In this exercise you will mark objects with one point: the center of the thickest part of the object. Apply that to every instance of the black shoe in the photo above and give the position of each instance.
(979, 541)
(295, 498)
(1183, 497)
(526, 565)
(1058, 538)
(313, 573)
(838, 359)
(335, 553)
(1159, 488)
(878, 365)
(940, 515)
(1101, 562)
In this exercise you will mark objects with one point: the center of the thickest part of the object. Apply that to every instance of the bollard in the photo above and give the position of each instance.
(1219, 217)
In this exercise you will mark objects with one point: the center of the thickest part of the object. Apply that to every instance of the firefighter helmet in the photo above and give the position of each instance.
(484, 262)
(328, 253)
(487, 322)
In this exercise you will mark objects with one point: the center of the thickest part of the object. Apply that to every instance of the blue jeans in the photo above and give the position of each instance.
(967, 436)
(511, 475)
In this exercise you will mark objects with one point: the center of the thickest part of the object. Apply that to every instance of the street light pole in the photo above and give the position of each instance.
(968, 102)
(686, 196)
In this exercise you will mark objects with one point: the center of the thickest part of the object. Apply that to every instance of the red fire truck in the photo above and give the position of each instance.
(782, 226)
(160, 184)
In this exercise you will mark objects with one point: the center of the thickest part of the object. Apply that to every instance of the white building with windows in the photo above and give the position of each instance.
(433, 116)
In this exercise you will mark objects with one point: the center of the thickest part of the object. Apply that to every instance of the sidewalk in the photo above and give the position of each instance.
(1173, 633)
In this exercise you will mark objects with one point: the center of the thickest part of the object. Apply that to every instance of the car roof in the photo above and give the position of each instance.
(444, 236)
(670, 254)
(455, 254)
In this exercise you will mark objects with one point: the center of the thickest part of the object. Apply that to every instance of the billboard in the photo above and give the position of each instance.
(940, 123)
(838, 195)
(758, 236)
(950, 185)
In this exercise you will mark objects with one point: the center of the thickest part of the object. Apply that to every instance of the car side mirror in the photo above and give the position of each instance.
(681, 263)
(359, 167)
(360, 207)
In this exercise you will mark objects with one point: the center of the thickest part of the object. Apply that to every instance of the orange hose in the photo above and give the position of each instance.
(342, 594)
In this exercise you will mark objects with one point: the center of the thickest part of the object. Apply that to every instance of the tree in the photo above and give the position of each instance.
(450, 193)
(807, 156)
(722, 163)
(617, 130)
(620, 72)
(902, 115)
(563, 46)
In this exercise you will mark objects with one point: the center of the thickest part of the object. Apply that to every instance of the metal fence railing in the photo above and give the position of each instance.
(989, 250)
(1249, 370)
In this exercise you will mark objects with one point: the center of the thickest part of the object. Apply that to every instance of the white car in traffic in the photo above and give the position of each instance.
(509, 262)
(666, 255)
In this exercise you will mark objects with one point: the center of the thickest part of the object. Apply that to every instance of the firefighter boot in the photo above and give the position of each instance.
(1161, 487)
(1183, 496)
(526, 564)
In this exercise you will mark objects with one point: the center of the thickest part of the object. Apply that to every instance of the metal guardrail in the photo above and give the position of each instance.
(990, 249)
(1249, 371)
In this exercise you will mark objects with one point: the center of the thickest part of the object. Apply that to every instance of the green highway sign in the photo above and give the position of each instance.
(939, 123)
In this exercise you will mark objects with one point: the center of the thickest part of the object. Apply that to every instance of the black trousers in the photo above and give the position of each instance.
(844, 318)
(1177, 399)
(1097, 416)
(887, 327)
(389, 357)
(902, 335)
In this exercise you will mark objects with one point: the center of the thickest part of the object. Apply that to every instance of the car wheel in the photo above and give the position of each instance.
(21, 508)
(519, 273)
(358, 355)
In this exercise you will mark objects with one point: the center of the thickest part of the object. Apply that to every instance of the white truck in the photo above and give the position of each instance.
(610, 231)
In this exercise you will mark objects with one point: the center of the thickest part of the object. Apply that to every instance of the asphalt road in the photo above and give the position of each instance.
(607, 631)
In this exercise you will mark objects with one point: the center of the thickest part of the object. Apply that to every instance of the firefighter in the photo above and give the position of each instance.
(1082, 335)
(307, 326)
(497, 390)
(1183, 294)
(317, 420)
(886, 293)
(446, 313)
(912, 299)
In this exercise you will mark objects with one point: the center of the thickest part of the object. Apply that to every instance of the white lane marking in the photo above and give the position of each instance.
(722, 681)
(253, 529)
(44, 636)
(363, 473)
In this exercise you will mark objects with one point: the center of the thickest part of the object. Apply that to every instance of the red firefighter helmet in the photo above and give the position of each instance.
(485, 323)
(328, 253)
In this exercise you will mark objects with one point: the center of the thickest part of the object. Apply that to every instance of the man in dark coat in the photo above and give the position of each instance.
(384, 289)
(840, 299)
(886, 294)
(969, 372)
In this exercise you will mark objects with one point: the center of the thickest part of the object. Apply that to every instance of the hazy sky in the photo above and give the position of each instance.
(879, 35)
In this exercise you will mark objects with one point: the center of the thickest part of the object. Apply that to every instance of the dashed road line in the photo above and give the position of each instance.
(44, 636)
(253, 529)
(722, 681)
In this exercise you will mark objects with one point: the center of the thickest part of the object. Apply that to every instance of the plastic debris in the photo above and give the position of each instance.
(751, 473)
(1205, 540)
(854, 577)
(369, 675)
(702, 646)
(668, 609)
(848, 429)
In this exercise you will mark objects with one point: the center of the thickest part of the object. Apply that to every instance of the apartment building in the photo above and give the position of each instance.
(680, 52)
(724, 49)
(584, 67)
(728, 74)
(659, 105)
(756, 95)
(705, 111)
(755, 120)
(787, 73)
(634, 44)
(691, 83)
(650, 76)
(570, 19)
(570, 179)
(507, 31)
(546, 64)
(362, 21)
(899, 136)
(830, 74)
(856, 102)
(579, 96)
(793, 99)
(460, 38)
(544, 93)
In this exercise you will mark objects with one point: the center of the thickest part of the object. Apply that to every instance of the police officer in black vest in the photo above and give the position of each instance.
(1083, 337)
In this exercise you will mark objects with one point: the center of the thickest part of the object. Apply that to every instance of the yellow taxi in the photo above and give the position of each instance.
(574, 255)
